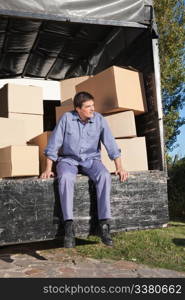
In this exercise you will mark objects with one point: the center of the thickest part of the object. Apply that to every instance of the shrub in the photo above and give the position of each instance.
(176, 189)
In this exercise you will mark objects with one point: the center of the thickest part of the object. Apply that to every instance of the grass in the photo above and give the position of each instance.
(163, 248)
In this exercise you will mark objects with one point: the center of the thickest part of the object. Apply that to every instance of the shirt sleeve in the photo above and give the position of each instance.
(56, 139)
(108, 141)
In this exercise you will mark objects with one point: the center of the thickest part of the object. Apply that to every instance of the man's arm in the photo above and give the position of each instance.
(48, 172)
(123, 175)
(51, 151)
(112, 149)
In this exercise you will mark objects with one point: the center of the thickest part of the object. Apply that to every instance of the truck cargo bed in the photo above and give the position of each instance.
(31, 211)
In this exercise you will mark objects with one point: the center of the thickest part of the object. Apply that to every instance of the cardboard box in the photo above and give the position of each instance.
(67, 87)
(12, 132)
(19, 161)
(41, 141)
(33, 123)
(66, 106)
(122, 124)
(133, 155)
(21, 99)
(116, 89)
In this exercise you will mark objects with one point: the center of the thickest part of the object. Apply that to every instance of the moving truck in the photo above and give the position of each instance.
(61, 39)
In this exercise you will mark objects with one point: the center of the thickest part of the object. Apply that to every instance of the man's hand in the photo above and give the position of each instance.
(47, 174)
(123, 175)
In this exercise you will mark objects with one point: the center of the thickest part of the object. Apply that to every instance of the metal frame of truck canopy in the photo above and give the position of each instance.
(63, 39)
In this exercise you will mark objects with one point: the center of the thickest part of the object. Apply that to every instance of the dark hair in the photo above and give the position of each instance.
(80, 98)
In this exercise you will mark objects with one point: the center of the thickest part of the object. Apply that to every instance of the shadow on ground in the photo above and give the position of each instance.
(179, 242)
(180, 222)
(32, 248)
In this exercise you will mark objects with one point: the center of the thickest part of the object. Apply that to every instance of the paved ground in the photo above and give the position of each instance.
(49, 260)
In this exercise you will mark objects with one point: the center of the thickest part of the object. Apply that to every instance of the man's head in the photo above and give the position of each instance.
(84, 105)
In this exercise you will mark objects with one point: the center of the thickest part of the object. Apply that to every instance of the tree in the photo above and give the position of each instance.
(170, 18)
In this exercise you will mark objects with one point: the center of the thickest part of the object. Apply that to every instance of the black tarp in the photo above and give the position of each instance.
(60, 39)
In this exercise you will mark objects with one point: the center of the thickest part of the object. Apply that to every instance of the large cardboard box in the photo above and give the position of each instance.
(65, 106)
(16, 98)
(33, 123)
(116, 89)
(122, 124)
(19, 161)
(41, 141)
(12, 132)
(67, 87)
(133, 155)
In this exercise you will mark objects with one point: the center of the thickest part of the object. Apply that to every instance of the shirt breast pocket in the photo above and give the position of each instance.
(69, 137)
(68, 132)
(92, 133)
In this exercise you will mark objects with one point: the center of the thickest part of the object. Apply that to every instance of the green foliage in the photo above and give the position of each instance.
(170, 18)
(176, 188)
(172, 122)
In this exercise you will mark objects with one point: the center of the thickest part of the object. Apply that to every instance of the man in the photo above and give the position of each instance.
(75, 145)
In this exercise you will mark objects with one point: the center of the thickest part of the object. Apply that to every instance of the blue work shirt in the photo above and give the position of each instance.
(78, 143)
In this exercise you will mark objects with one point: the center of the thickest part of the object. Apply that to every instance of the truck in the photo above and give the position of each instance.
(61, 39)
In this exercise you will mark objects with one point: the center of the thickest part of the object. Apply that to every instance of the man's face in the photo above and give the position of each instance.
(87, 110)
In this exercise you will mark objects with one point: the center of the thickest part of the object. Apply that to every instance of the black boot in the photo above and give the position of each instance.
(69, 237)
(105, 233)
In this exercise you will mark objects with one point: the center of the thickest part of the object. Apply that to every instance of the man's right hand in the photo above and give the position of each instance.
(47, 174)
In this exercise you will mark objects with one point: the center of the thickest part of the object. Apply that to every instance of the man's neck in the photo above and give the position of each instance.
(84, 120)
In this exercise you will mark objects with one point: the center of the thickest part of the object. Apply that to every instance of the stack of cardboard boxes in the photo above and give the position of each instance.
(119, 96)
(133, 148)
(21, 118)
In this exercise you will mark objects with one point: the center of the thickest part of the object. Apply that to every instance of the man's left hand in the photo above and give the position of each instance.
(123, 175)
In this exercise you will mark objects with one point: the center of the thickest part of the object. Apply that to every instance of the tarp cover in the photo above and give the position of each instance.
(59, 39)
(75, 10)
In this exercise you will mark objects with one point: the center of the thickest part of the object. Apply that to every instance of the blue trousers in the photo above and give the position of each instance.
(66, 174)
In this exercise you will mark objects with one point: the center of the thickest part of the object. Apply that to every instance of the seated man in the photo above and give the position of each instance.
(75, 145)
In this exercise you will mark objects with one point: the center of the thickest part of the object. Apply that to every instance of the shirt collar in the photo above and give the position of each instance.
(77, 117)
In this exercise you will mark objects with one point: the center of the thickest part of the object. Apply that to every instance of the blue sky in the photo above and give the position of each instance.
(180, 140)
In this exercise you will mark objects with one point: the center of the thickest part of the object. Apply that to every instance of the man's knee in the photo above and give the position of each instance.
(105, 175)
(66, 177)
